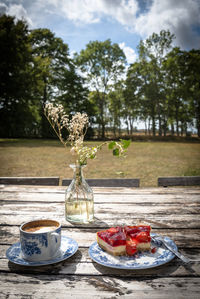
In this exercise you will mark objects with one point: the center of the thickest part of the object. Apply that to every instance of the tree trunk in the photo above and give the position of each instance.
(114, 129)
(165, 127)
(99, 131)
(149, 126)
(119, 130)
(127, 128)
(160, 125)
(177, 125)
(172, 129)
(182, 128)
(131, 125)
(153, 126)
(44, 128)
(102, 117)
(145, 124)
(198, 120)
(159, 121)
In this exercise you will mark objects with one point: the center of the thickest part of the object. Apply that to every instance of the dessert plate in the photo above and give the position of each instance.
(142, 260)
(67, 249)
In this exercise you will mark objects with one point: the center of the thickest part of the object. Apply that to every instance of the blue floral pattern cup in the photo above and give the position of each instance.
(40, 239)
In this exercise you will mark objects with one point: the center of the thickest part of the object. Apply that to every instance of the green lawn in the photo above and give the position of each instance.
(145, 160)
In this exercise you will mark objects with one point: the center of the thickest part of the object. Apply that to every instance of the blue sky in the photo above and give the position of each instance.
(125, 22)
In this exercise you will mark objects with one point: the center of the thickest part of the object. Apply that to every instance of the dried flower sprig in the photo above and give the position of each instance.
(77, 127)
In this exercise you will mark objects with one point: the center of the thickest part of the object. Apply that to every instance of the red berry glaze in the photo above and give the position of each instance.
(153, 250)
(131, 247)
(130, 236)
(142, 237)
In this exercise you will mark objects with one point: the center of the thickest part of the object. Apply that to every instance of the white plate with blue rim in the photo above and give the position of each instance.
(67, 249)
(142, 260)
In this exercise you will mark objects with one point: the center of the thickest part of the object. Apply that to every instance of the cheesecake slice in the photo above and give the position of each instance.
(125, 240)
(112, 240)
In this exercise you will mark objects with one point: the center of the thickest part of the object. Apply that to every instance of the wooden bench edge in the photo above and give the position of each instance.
(107, 182)
(43, 181)
(179, 181)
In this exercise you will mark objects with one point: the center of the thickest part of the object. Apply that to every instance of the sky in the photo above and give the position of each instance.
(125, 22)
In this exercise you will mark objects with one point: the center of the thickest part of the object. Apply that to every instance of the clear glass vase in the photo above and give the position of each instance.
(79, 199)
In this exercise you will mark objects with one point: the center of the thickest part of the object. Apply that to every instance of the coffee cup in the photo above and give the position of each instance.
(40, 240)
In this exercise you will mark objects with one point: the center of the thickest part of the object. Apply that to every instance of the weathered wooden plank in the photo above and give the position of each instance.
(107, 182)
(142, 199)
(104, 212)
(174, 268)
(51, 286)
(185, 238)
(83, 256)
(102, 190)
(46, 181)
(107, 220)
(179, 181)
(108, 208)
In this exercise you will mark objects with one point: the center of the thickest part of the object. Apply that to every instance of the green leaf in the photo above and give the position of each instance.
(111, 144)
(116, 152)
(125, 143)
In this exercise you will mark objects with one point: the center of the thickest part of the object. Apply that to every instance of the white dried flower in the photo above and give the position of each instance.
(76, 129)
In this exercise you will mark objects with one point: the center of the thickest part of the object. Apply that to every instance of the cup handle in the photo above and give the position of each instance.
(55, 235)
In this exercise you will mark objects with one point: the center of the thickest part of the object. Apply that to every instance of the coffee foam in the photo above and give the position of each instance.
(40, 229)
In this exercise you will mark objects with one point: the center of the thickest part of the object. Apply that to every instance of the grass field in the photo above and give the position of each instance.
(145, 160)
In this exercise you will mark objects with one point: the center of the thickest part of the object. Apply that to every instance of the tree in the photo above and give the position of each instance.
(103, 64)
(183, 89)
(174, 86)
(115, 106)
(16, 106)
(57, 77)
(192, 80)
(152, 53)
(132, 96)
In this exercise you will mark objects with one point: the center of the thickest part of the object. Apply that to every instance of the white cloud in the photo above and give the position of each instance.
(16, 10)
(3, 8)
(131, 56)
(178, 16)
(91, 11)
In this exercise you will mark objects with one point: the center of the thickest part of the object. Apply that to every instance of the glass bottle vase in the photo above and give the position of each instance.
(79, 199)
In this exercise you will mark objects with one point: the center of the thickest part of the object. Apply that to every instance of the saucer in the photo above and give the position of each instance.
(67, 249)
(142, 260)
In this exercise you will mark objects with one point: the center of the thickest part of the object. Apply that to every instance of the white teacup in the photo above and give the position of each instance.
(40, 239)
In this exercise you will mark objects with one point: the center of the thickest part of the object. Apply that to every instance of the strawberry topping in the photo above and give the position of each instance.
(131, 247)
(130, 236)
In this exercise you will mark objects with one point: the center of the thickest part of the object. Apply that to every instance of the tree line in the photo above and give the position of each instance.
(162, 88)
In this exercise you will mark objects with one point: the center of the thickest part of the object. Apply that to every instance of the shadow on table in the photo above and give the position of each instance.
(170, 269)
(49, 269)
(96, 223)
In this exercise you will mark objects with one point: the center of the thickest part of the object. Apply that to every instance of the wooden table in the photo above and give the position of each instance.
(174, 212)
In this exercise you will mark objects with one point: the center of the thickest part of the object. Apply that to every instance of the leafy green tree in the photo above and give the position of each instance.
(182, 80)
(103, 64)
(174, 87)
(115, 106)
(192, 83)
(152, 52)
(17, 112)
(132, 96)
(57, 79)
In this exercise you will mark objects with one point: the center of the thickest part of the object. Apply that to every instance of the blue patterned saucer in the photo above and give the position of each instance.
(67, 249)
(141, 260)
